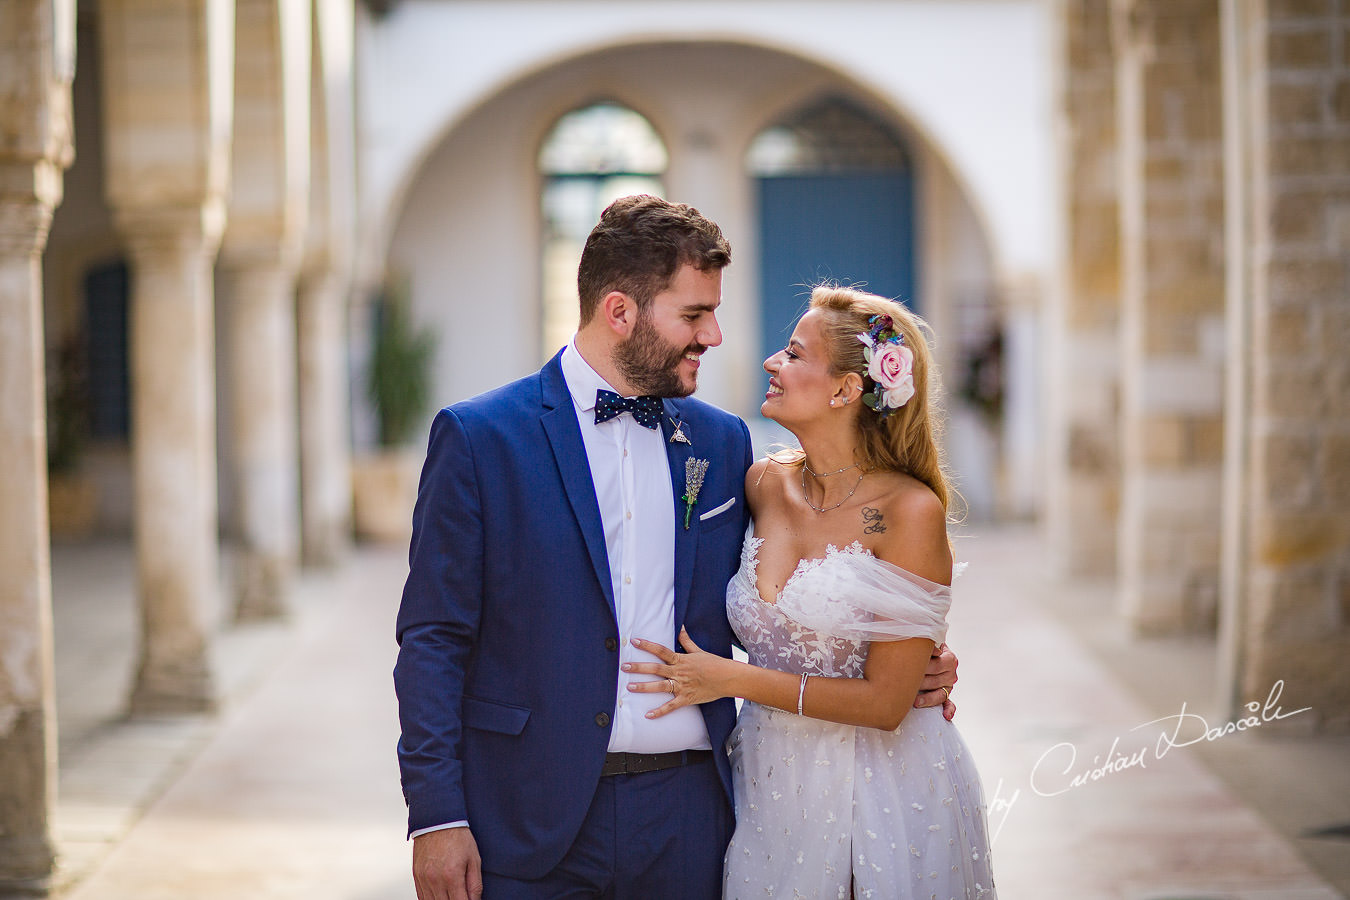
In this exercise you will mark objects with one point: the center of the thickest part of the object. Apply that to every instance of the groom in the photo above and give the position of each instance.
(542, 543)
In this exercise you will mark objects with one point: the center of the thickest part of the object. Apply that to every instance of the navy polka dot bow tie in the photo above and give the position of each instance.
(646, 409)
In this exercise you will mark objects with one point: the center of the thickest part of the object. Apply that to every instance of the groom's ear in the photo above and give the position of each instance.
(620, 312)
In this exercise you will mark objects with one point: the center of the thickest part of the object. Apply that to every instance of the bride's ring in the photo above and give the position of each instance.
(947, 691)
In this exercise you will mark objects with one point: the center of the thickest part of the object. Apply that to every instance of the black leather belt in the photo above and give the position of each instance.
(633, 763)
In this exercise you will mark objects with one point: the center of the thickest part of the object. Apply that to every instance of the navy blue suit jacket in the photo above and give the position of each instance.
(508, 642)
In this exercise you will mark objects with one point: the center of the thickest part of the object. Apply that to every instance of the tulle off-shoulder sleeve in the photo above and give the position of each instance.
(853, 595)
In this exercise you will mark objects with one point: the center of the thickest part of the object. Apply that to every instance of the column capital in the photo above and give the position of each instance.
(279, 255)
(29, 192)
(37, 44)
(319, 278)
(167, 104)
(1020, 291)
(1130, 30)
(172, 230)
(270, 157)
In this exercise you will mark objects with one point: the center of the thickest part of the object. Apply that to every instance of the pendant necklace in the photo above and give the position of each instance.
(823, 509)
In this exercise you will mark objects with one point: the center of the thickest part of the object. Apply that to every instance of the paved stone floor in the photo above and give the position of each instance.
(291, 791)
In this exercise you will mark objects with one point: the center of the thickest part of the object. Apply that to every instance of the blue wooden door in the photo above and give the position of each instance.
(845, 228)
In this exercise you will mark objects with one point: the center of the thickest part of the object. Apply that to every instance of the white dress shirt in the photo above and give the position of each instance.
(633, 488)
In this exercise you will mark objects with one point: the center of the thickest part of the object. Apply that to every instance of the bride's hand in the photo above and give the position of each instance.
(693, 676)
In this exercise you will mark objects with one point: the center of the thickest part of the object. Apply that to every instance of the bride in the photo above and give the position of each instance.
(842, 790)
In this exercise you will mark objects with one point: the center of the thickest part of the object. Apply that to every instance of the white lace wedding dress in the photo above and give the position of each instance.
(838, 811)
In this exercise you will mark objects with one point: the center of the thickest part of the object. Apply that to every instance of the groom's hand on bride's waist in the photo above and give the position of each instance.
(938, 680)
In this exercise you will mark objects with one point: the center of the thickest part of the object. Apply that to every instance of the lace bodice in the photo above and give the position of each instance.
(773, 640)
(829, 609)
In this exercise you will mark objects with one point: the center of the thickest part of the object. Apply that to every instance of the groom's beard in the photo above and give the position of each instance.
(651, 364)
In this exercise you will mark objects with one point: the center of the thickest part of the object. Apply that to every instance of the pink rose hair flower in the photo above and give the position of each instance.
(890, 365)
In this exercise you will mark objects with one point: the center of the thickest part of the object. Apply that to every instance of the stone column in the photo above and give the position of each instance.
(174, 459)
(1170, 126)
(1288, 586)
(1022, 451)
(36, 67)
(260, 337)
(325, 286)
(167, 132)
(1083, 502)
(27, 713)
(325, 457)
(259, 260)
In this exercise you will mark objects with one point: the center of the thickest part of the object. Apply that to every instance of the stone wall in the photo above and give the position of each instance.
(1298, 577)
(1085, 482)
(1171, 144)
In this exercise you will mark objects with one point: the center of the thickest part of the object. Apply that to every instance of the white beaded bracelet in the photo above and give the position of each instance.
(801, 695)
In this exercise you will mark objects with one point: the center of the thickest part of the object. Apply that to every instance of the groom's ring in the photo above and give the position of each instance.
(671, 682)
(946, 690)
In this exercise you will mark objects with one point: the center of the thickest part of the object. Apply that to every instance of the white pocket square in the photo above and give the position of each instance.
(717, 511)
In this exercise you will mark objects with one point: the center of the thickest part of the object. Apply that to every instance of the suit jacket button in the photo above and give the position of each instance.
(602, 719)
(611, 643)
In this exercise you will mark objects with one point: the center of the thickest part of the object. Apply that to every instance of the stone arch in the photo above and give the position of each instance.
(390, 198)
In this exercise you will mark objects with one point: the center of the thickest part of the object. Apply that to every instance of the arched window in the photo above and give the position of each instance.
(593, 156)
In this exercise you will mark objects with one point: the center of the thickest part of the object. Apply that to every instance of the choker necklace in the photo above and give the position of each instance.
(822, 509)
(815, 474)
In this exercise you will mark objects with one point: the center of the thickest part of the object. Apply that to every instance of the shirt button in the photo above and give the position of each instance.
(628, 514)
(602, 719)
(627, 579)
(611, 643)
(625, 451)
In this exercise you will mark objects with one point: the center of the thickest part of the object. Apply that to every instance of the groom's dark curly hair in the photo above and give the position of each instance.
(639, 244)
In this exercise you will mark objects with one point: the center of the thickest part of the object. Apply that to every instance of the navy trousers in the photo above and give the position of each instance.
(652, 836)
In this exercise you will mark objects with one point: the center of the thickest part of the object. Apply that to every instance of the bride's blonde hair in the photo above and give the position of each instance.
(906, 440)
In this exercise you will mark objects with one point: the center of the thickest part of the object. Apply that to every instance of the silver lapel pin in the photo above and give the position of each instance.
(679, 437)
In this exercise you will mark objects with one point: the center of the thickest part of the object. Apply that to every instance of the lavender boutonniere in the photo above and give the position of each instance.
(694, 470)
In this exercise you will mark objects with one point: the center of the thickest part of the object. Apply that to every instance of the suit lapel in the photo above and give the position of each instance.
(560, 424)
(686, 542)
